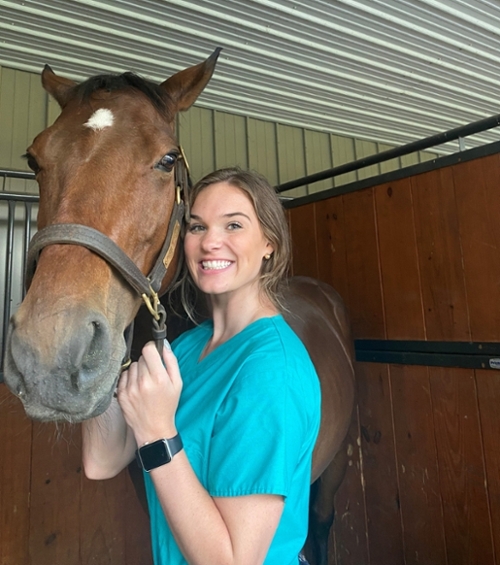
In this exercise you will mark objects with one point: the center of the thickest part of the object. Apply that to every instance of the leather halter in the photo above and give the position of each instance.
(147, 287)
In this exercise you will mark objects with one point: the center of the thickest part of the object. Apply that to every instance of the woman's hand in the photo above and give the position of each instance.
(148, 393)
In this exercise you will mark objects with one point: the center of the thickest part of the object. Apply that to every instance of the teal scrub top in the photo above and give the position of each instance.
(248, 416)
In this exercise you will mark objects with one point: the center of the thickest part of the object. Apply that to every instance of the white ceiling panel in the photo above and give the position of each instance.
(392, 71)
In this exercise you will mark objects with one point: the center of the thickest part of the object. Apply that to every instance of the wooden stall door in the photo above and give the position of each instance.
(416, 259)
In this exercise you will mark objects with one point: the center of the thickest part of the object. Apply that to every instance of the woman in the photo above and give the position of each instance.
(247, 406)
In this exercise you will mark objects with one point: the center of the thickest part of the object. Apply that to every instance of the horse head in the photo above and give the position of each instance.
(106, 172)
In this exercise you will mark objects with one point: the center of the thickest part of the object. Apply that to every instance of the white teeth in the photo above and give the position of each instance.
(215, 264)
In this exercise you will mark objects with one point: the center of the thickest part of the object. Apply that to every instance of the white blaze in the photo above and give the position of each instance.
(100, 119)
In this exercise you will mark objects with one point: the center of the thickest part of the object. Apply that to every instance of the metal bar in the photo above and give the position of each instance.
(396, 174)
(429, 359)
(10, 173)
(420, 346)
(12, 196)
(27, 238)
(8, 275)
(419, 145)
(470, 355)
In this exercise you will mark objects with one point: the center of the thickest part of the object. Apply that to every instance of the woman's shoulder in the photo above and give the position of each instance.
(274, 335)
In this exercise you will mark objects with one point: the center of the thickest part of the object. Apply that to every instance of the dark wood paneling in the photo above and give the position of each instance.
(398, 261)
(50, 513)
(378, 468)
(461, 467)
(421, 504)
(489, 400)
(417, 259)
(348, 540)
(440, 256)
(364, 293)
(303, 232)
(331, 244)
(421, 508)
(478, 206)
(15, 439)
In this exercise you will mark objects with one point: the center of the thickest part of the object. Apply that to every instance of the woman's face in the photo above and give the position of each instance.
(224, 243)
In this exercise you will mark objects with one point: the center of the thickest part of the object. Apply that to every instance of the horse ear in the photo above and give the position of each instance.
(58, 87)
(184, 87)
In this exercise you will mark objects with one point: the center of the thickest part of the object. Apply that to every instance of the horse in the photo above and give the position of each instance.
(113, 185)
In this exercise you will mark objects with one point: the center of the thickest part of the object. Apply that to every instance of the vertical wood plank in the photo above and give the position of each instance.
(349, 535)
(196, 135)
(399, 261)
(15, 463)
(489, 401)
(478, 199)
(365, 298)
(55, 497)
(478, 202)
(378, 466)
(416, 450)
(440, 256)
(420, 498)
(461, 467)
(331, 244)
(291, 157)
(302, 229)
(230, 140)
(263, 149)
(462, 472)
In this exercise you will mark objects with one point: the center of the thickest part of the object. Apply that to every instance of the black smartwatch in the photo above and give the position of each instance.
(158, 453)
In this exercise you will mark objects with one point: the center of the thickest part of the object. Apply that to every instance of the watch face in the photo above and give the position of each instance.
(154, 455)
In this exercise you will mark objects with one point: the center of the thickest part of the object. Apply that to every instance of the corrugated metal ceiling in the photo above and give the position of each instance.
(385, 70)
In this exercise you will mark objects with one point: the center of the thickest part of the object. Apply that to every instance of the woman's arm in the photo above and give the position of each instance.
(108, 444)
(219, 531)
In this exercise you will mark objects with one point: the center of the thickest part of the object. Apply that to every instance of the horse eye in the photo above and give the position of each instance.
(32, 164)
(167, 162)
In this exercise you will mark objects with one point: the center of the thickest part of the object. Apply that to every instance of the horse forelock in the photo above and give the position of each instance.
(113, 83)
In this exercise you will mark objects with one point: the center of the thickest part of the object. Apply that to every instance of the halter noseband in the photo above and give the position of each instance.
(147, 287)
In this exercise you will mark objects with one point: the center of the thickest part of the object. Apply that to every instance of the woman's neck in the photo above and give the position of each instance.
(231, 315)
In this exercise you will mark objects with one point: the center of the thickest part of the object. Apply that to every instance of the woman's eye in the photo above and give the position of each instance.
(234, 226)
(167, 162)
(194, 228)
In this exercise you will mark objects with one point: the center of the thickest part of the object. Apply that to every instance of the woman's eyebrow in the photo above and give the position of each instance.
(228, 215)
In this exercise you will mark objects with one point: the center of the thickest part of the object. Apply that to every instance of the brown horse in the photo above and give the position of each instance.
(111, 177)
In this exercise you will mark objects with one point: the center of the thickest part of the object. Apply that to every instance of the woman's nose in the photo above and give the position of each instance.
(211, 239)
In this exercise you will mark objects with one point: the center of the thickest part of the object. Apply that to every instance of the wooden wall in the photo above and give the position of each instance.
(416, 259)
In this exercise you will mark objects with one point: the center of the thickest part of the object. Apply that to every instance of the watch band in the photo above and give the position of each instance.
(158, 453)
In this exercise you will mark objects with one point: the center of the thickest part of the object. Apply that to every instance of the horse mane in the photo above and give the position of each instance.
(113, 82)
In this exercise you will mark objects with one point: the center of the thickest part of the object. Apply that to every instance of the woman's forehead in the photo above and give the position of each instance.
(224, 198)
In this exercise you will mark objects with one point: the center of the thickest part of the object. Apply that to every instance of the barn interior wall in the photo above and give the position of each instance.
(49, 512)
(416, 259)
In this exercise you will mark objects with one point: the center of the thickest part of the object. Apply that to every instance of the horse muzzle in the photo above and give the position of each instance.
(61, 372)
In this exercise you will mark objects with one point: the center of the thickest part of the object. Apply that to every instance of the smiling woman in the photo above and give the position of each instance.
(240, 389)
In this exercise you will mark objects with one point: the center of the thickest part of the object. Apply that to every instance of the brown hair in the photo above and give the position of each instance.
(272, 220)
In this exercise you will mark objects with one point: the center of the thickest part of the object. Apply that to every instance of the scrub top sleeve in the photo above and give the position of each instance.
(257, 437)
